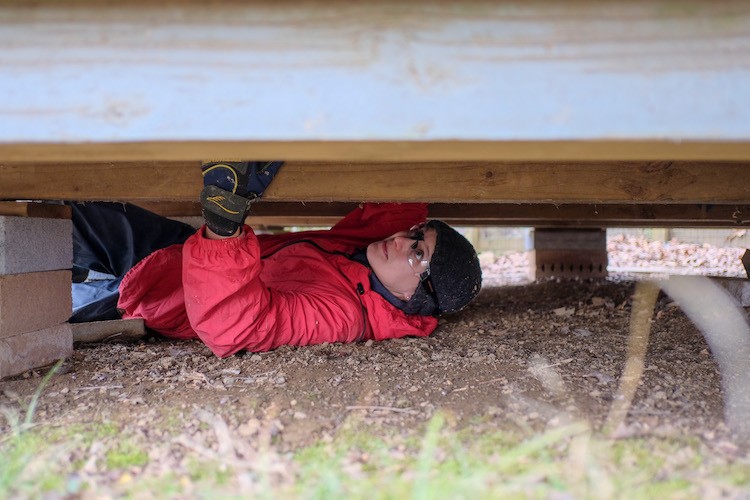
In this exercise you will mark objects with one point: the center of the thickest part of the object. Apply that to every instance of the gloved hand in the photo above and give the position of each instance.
(229, 189)
(248, 179)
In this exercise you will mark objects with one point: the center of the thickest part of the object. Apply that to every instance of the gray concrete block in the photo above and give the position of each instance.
(30, 244)
(35, 349)
(569, 253)
(33, 301)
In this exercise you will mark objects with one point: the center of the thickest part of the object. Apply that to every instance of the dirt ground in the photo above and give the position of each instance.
(522, 356)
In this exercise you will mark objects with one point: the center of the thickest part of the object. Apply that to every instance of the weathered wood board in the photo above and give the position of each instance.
(375, 81)
(464, 182)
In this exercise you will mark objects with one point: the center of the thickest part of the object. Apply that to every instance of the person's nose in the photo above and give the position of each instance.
(402, 243)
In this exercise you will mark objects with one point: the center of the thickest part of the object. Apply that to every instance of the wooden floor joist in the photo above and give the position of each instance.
(446, 182)
(526, 215)
(30, 209)
(445, 150)
(283, 214)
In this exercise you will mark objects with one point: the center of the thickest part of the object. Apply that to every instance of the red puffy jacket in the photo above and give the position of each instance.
(260, 292)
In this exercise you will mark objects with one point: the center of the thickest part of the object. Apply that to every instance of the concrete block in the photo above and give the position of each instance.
(29, 350)
(569, 253)
(33, 301)
(569, 264)
(30, 244)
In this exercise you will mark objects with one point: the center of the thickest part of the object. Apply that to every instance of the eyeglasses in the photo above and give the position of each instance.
(420, 265)
(416, 257)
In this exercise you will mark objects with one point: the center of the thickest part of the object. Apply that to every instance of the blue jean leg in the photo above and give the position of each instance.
(95, 300)
(110, 238)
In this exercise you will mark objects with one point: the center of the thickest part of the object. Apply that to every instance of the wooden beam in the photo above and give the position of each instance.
(329, 80)
(459, 182)
(384, 151)
(592, 215)
(31, 209)
(282, 214)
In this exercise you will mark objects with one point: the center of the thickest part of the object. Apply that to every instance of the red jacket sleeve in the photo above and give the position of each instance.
(367, 223)
(383, 217)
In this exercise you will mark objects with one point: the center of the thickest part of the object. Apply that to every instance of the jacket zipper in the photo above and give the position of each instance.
(360, 288)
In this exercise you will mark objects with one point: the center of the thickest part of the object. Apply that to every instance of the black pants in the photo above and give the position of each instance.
(109, 239)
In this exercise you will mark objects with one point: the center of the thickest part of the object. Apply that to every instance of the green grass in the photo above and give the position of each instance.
(434, 462)
(126, 454)
(442, 464)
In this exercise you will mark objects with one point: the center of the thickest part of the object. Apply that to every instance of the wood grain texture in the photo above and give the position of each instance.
(453, 182)
(454, 80)
(381, 151)
(284, 214)
(31, 209)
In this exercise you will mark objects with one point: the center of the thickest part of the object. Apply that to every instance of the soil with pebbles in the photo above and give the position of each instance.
(524, 356)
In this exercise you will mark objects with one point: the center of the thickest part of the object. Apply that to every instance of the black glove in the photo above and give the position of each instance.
(229, 189)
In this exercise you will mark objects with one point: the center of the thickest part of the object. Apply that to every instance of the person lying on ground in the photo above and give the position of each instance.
(382, 272)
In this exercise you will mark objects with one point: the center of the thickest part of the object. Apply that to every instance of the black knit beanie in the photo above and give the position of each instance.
(454, 271)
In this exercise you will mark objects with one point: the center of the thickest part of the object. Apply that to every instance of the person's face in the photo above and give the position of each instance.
(399, 261)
